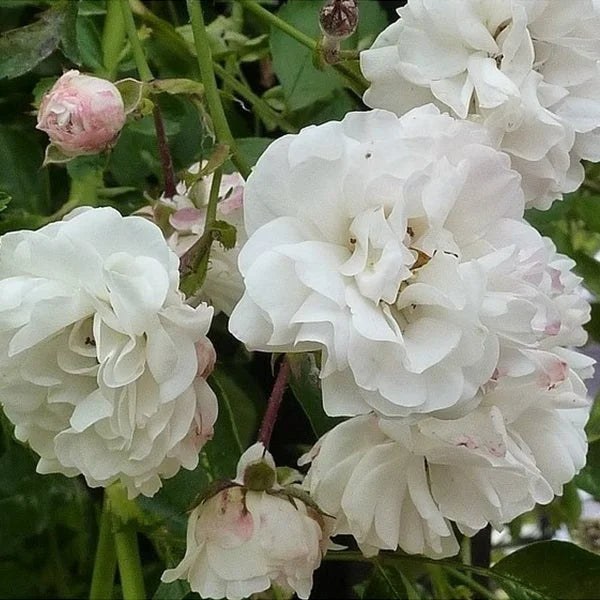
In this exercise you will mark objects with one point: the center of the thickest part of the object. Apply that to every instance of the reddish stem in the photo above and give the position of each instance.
(165, 154)
(268, 422)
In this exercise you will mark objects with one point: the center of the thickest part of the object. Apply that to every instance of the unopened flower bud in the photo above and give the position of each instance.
(207, 357)
(82, 114)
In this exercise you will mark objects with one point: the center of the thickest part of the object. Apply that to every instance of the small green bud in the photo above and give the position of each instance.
(259, 476)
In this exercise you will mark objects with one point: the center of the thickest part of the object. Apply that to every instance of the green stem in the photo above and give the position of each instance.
(128, 558)
(106, 560)
(476, 587)
(134, 40)
(83, 192)
(357, 83)
(195, 262)
(113, 36)
(211, 91)
(213, 198)
(441, 588)
(256, 101)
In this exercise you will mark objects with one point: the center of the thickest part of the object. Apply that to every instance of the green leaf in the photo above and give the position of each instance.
(89, 41)
(21, 157)
(176, 87)
(592, 427)
(54, 155)
(303, 84)
(42, 87)
(225, 234)
(385, 582)
(176, 590)
(24, 48)
(4, 200)
(565, 508)
(588, 268)
(236, 425)
(589, 477)
(588, 209)
(132, 92)
(553, 570)
(305, 384)
(371, 22)
(251, 149)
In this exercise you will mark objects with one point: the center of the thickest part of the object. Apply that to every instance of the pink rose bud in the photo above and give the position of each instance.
(207, 357)
(82, 114)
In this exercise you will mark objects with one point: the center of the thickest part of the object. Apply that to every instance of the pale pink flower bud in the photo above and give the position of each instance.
(82, 114)
(207, 357)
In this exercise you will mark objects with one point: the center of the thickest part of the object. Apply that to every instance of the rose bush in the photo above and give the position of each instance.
(313, 233)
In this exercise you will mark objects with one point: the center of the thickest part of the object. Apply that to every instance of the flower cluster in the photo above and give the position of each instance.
(99, 355)
(392, 242)
(528, 71)
(397, 247)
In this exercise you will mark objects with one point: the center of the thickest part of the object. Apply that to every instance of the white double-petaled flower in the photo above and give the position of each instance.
(397, 247)
(528, 70)
(400, 483)
(99, 356)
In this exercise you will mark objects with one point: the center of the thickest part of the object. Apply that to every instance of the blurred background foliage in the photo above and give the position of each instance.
(270, 86)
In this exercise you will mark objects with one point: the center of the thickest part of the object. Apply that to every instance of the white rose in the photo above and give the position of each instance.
(533, 299)
(240, 542)
(360, 237)
(528, 71)
(398, 483)
(98, 359)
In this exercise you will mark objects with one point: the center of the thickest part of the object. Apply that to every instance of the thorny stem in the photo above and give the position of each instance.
(205, 63)
(268, 422)
(165, 154)
(355, 80)
(146, 75)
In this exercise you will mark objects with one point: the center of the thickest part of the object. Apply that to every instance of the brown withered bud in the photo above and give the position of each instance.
(338, 20)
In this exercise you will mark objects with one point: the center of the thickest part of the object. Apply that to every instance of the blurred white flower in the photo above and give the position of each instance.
(528, 70)
(98, 358)
(240, 542)
(82, 114)
(365, 240)
(398, 483)
(223, 285)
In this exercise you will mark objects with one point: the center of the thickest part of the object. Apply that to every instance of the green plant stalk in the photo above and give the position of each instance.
(215, 107)
(134, 40)
(145, 73)
(256, 101)
(357, 83)
(476, 587)
(105, 563)
(128, 558)
(442, 590)
(83, 192)
(113, 37)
